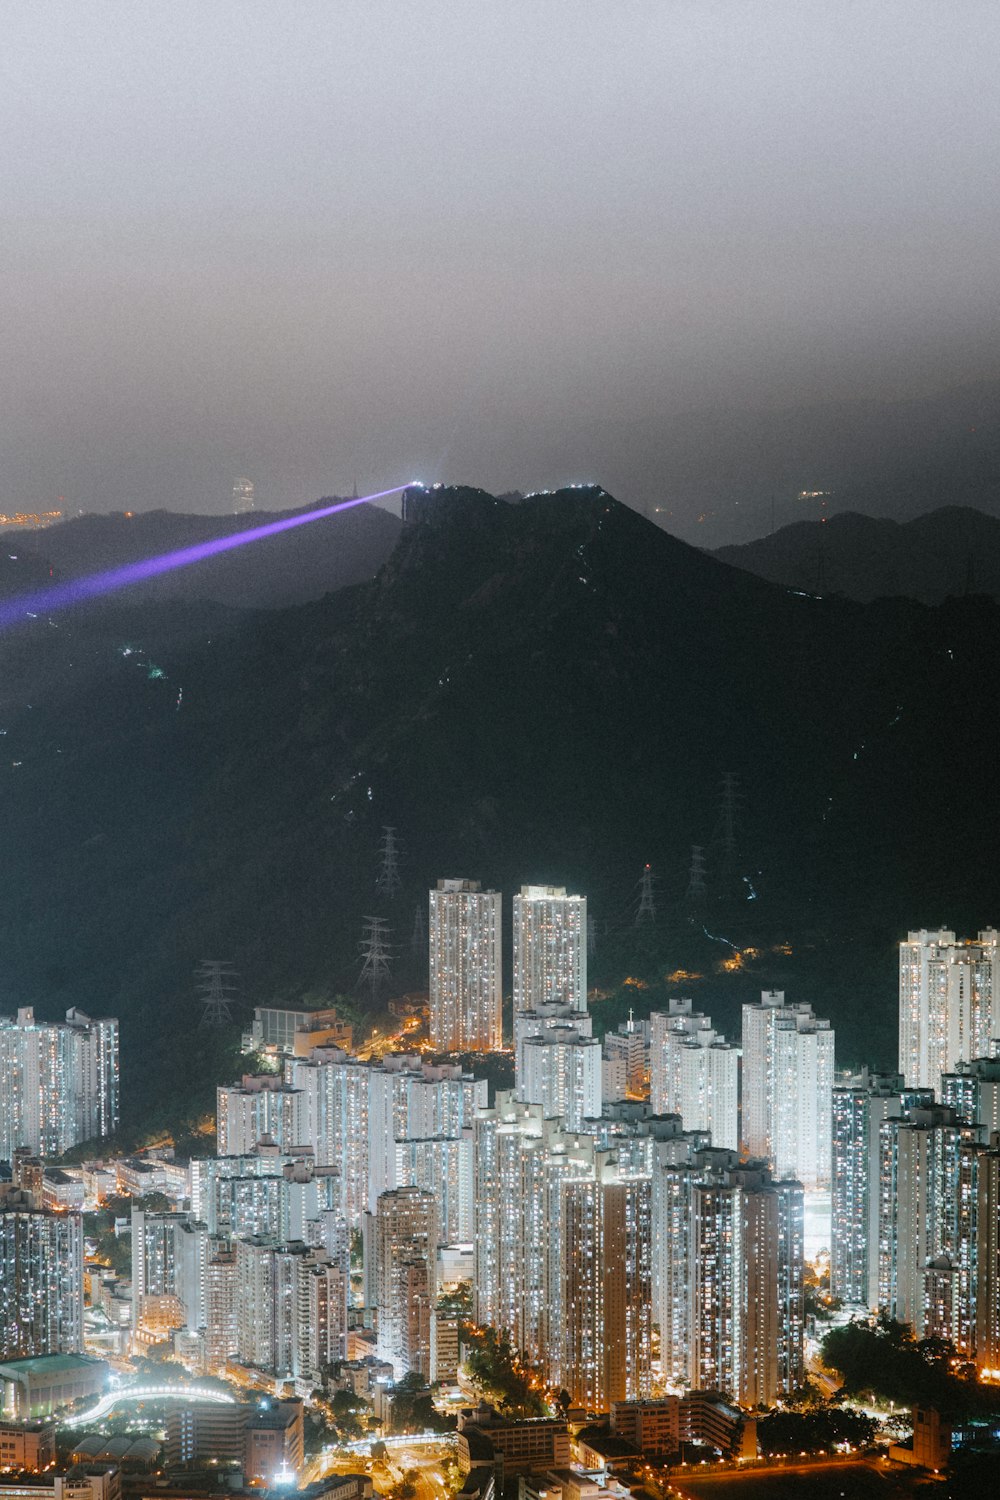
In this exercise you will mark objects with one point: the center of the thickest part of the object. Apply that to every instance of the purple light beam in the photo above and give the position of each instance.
(77, 590)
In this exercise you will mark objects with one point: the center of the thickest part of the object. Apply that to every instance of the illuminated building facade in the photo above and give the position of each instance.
(746, 1285)
(694, 1073)
(563, 1251)
(465, 968)
(290, 1308)
(243, 497)
(787, 1088)
(973, 1092)
(560, 1070)
(261, 1108)
(58, 1082)
(41, 1280)
(391, 1123)
(860, 1105)
(550, 948)
(406, 1240)
(728, 1271)
(926, 1211)
(949, 1003)
(987, 1265)
(169, 1273)
(629, 1045)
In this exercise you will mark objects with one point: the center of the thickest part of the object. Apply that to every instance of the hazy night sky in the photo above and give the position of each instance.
(509, 244)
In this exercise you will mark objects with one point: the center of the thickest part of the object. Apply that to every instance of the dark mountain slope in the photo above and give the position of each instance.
(299, 564)
(946, 553)
(548, 691)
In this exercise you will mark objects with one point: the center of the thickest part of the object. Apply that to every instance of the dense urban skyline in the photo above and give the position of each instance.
(596, 1081)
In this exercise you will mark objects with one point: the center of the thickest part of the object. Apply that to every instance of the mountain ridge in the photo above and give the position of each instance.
(948, 552)
(302, 563)
(544, 691)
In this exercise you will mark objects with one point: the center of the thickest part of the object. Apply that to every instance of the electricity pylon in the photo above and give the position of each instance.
(376, 965)
(217, 987)
(646, 911)
(387, 883)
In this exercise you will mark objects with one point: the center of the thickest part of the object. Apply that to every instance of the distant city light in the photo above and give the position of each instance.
(78, 590)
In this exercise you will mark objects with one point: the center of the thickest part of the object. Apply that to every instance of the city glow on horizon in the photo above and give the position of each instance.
(79, 590)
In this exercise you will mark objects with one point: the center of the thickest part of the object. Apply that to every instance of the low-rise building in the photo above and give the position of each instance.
(514, 1446)
(79, 1482)
(708, 1417)
(62, 1191)
(48, 1383)
(652, 1427)
(275, 1440)
(27, 1445)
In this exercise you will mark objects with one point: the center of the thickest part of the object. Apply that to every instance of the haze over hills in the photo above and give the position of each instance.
(301, 564)
(545, 691)
(944, 554)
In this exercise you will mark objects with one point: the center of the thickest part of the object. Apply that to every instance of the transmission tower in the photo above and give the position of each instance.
(387, 883)
(591, 937)
(216, 985)
(724, 836)
(418, 941)
(376, 965)
(697, 892)
(646, 911)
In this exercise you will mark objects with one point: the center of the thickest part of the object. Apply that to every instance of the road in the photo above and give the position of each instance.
(421, 1456)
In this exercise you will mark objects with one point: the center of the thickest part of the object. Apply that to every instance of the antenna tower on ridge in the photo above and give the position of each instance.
(217, 987)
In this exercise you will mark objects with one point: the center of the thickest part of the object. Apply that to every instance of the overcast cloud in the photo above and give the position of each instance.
(512, 244)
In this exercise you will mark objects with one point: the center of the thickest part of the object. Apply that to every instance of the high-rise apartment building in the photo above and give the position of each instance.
(926, 1215)
(528, 1023)
(220, 1306)
(465, 968)
(243, 496)
(58, 1082)
(605, 1278)
(949, 1003)
(169, 1273)
(336, 1090)
(261, 1108)
(987, 1261)
(860, 1105)
(728, 1274)
(560, 1070)
(973, 1092)
(563, 1250)
(694, 1073)
(550, 948)
(290, 1308)
(787, 1088)
(406, 1239)
(630, 1045)
(41, 1279)
(391, 1123)
(268, 1192)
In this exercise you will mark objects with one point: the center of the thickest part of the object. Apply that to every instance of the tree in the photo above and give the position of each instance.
(413, 1408)
(495, 1368)
(819, 1430)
